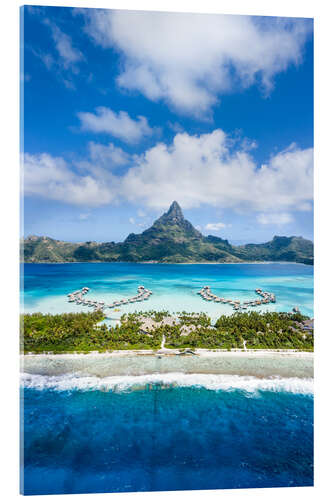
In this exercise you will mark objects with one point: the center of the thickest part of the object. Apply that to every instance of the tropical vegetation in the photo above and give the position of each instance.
(85, 332)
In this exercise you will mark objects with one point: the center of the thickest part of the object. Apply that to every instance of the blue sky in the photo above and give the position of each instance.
(124, 112)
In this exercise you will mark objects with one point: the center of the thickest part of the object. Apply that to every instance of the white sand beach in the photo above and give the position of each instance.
(166, 351)
(259, 363)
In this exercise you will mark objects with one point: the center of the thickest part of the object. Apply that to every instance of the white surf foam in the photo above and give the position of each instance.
(122, 383)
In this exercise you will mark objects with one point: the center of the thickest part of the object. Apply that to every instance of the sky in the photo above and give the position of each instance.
(124, 112)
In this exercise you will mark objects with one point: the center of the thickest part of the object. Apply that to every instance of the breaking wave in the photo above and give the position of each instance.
(126, 383)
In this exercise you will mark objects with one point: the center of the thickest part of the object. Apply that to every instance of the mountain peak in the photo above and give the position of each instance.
(175, 211)
(174, 218)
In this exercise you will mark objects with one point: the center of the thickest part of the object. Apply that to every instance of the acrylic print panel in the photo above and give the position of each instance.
(167, 251)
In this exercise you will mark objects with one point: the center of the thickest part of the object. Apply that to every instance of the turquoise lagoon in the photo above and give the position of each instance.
(174, 286)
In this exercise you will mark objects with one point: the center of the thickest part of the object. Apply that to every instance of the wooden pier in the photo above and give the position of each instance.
(267, 297)
(78, 297)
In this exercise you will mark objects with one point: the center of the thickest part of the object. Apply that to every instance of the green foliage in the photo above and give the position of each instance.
(260, 331)
(200, 319)
(82, 332)
(85, 253)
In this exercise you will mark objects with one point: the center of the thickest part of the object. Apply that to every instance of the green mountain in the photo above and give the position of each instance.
(170, 239)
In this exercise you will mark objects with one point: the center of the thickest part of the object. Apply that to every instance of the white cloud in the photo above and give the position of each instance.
(275, 219)
(175, 127)
(215, 226)
(141, 213)
(102, 164)
(109, 156)
(189, 60)
(119, 125)
(65, 58)
(135, 223)
(51, 178)
(194, 170)
(46, 58)
(69, 56)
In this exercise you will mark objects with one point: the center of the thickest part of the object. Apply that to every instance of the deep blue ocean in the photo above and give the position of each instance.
(165, 437)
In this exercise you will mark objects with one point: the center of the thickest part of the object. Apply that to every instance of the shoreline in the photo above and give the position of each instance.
(175, 263)
(253, 353)
(224, 369)
(165, 363)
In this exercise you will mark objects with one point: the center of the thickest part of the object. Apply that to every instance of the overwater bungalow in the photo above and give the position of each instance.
(77, 297)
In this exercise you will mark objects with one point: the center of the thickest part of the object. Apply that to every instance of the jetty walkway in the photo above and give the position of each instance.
(78, 297)
(267, 297)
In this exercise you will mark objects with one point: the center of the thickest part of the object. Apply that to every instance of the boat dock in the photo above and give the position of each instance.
(266, 298)
(78, 297)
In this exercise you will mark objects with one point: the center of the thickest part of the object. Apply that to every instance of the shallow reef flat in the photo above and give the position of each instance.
(257, 364)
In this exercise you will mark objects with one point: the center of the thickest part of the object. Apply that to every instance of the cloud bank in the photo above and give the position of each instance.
(194, 170)
(189, 60)
(51, 177)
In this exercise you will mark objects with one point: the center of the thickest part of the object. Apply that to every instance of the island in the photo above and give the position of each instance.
(171, 239)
